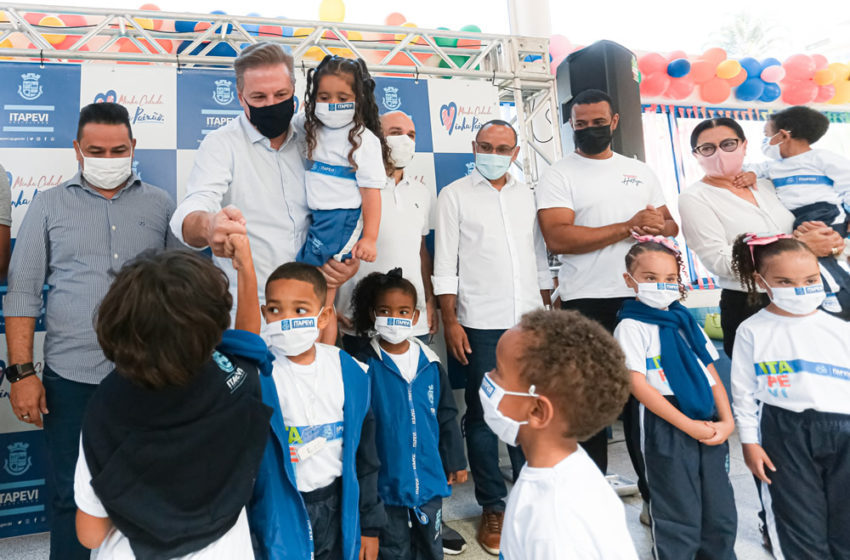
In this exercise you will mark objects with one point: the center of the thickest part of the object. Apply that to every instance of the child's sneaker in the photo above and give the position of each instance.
(453, 542)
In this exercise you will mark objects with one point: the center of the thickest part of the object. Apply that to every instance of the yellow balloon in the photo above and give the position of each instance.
(355, 36)
(400, 36)
(842, 93)
(824, 77)
(302, 32)
(314, 53)
(841, 71)
(144, 23)
(332, 10)
(728, 69)
(52, 21)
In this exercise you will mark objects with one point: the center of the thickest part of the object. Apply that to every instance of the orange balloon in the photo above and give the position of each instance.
(702, 71)
(824, 77)
(716, 90)
(715, 55)
(394, 19)
(738, 79)
(52, 21)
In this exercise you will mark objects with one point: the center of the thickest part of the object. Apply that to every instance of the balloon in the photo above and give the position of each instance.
(716, 90)
(750, 90)
(841, 71)
(445, 41)
(332, 10)
(751, 65)
(715, 55)
(728, 69)
(678, 68)
(773, 74)
(702, 71)
(52, 21)
(771, 93)
(770, 62)
(677, 54)
(842, 93)
(471, 44)
(825, 93)
(652, 63)
(471, 28)
(653, 85)
(820, 61)
(738, 79)
(799, 67)
(204, 25)
(680, 88)
(559, 46)
(185, 26)
(799, 92)
(824, 77)
(400, 36)
(394, 19)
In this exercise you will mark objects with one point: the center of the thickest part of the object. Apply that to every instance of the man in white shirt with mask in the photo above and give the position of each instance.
(490, 267)
(407, 208)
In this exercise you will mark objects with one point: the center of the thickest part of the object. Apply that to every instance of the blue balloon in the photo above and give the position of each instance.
(532, 57)
(770, 62)
(750, 90)
(752, 66)
(771, 92)
(185, 26)
(252, 28)
(678, 68)
(221, 49)
(222, 13)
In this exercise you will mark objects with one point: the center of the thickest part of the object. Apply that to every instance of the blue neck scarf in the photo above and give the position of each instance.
(249, 346)
(679, 354)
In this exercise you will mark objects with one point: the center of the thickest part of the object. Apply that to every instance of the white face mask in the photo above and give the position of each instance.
(335, 115)
(797, 301)
(657, 294)
(506, 429)
(107, 173)
(394, 329)
(770, 151)
(292, 336)
(402, 150)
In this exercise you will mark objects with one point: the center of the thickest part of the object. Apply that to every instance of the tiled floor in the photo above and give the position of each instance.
(461, 513)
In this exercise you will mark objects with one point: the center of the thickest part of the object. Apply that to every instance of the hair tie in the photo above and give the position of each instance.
(667, 242)
(760, 239)
(395, 273)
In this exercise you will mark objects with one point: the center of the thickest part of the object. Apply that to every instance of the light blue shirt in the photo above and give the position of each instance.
(74, 239)
(237, 165)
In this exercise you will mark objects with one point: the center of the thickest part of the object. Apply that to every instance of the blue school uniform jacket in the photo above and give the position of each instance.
(279, 522)
(417, 434)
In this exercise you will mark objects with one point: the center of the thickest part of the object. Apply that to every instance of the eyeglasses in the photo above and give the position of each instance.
(503, 150)
(728, 145)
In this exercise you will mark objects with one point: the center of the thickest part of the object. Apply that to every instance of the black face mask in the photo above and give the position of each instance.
(272, 120)
(593, 139)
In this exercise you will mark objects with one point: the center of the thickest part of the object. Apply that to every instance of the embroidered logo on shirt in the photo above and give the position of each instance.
(222, 362)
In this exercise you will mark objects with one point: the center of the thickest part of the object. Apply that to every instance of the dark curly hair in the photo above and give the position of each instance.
(746, 264)
(801, 122)
(365, 108)
(578, 365)
(367, 292)
(640, 248)
(163, 316)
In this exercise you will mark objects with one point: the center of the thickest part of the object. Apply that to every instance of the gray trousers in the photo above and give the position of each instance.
(405, 537)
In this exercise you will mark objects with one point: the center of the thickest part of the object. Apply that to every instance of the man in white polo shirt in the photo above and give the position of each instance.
(490, 267)
(589, 204)
(407, 208)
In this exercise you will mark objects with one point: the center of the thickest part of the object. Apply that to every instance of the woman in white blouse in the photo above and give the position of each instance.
(714, 212)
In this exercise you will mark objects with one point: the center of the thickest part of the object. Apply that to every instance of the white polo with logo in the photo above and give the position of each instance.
(601, 193)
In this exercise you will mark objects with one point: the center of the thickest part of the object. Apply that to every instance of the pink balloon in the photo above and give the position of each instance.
(799, 67)
(715, 90)
(653, 85)
(715, 55)
(773, 74)
(820, 61)
(559, 47)
(677, 54)
(800, 92)
(680, 88)
(652, 63)
(825, 93)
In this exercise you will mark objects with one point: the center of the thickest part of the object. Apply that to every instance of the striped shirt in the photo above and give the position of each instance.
(73, 239)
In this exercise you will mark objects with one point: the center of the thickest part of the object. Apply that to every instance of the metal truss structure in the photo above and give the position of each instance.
(518, 66)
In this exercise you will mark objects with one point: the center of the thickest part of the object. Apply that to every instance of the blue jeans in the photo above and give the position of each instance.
(482, 445)
(66, 401)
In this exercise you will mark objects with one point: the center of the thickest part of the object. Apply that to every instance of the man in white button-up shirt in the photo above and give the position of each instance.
(248, 176)
(490, 267)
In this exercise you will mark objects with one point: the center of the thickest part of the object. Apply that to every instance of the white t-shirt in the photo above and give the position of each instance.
(407, 214)
(408, 362)
(330, 181)
(311, 399)
(813, 176)
(235, 543)
(601, 193)
(565, 512)
(795, 363)
(641, 343)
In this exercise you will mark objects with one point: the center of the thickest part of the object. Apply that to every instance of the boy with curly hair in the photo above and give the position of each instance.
(559, 377)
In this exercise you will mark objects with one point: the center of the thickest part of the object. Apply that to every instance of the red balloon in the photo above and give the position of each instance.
(652, 63)
(715, 55)
(825, 93)
(680, 88)
(677, 54)
(716, 90)
(702, 71)
(800, 92)
(799, 67)
(653, 85)
(739, 79)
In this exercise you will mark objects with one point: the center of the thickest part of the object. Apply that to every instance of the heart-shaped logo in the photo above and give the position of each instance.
(108, 96)
(448, 114)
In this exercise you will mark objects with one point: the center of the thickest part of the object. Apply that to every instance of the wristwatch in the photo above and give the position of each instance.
(19, 371)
